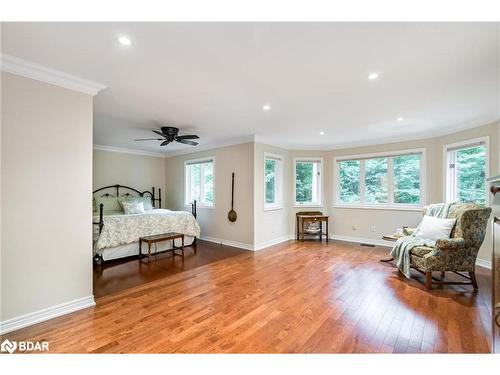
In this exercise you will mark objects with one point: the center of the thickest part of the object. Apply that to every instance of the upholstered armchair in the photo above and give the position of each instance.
(457, 254)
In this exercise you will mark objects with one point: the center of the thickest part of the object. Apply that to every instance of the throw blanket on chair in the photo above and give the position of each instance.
(401, 250)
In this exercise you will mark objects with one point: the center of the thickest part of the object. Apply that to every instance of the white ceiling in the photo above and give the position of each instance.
(212, 79)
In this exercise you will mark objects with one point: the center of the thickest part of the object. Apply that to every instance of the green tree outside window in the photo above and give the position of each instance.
(195, 181)
(406, 179)
(470, 164)
(208, 179)
(376, 180)
(270, 180)
(349, 181)
(303, 182)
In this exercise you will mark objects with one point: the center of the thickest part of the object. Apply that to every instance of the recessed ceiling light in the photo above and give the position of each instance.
(400, 119)
(373, 76)
(266, 107)
(124, 41)
(322, 133)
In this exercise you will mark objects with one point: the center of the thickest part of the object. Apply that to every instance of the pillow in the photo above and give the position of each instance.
(133, 208)
(146, 201)
(433, 228)
(111, 204)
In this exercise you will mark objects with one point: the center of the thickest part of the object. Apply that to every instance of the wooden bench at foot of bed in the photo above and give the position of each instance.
(154, 239)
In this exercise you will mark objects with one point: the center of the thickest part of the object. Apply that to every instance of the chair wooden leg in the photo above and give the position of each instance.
(428, 280)
(474, 280)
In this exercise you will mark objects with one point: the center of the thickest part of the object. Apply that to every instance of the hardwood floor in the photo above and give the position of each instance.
(295, 297)
(121, 274)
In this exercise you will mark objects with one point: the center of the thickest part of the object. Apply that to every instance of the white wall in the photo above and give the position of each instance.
(141, 172)
(213, 221)
(46, 189)
(270, 225)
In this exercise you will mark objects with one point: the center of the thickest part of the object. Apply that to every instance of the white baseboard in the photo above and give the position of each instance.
(263, 245)
(275, 241)
(45, 314)
(221, 241)
(247, 246)
(483, 263)
(369, 241)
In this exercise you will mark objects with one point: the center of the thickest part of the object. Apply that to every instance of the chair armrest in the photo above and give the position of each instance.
(449, 244)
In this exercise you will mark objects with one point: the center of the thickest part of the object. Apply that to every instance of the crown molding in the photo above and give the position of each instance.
(286, 147)
(430, 135)
(169, 154)
(128, 151)
(15, 65)
(213, 145)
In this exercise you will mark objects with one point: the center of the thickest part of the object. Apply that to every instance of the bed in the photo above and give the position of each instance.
(116, 234)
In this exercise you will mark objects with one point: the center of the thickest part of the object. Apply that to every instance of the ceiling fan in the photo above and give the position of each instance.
(169, 134)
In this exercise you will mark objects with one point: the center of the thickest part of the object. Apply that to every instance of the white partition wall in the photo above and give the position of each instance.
(46, 178)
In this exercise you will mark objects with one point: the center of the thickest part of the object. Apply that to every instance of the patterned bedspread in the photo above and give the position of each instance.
(124, 229)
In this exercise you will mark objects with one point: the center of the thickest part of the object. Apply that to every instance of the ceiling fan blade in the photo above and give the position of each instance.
(165, 143)
(192, 136)
(149, 139)
(186, 142)
(159, 133)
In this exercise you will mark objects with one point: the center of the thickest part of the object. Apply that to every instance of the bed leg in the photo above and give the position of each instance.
(98, 259)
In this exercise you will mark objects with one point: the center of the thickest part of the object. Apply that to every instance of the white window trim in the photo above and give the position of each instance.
(446, 170)
(199, 204)
(390, 178)
(278, 205)
(320, 191)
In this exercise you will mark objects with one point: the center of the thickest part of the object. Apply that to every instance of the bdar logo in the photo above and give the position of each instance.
(8, 346)
(24, 346)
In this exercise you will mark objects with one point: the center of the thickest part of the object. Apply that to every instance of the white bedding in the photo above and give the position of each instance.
(126, 229)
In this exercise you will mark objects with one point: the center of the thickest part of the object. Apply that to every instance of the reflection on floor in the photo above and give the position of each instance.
(299, 297)
(120, 274)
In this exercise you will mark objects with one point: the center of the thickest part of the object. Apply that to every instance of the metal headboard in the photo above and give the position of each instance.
(141, 193)
(117, 188)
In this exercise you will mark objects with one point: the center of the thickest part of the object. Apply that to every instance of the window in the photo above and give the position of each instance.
(273, 180)
(376, 181)
(407, 179)
(381, 180)
(349, 181)
(467, 169)
(199, 185)
(307, 175)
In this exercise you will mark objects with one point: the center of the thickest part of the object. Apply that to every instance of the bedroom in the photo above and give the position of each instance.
(180, 210)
